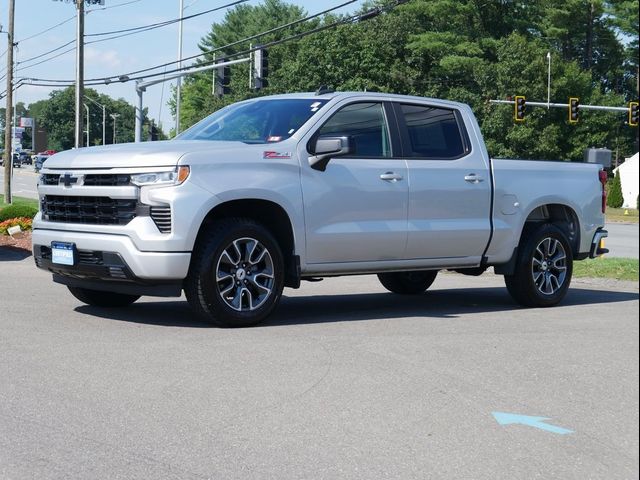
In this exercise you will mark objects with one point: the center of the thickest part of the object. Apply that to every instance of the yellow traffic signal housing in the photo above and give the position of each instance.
(519, 108)
(633, 114)
(574, 109)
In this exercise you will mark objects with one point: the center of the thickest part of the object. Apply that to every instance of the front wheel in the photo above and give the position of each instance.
(236, 275)
(544, 268)
(97, 298)
(408, 283)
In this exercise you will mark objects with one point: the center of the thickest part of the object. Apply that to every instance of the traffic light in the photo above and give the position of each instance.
(154, 132)
(519, 107)
(260, 68)
(222, 80)
(574, 109)
(633, 114)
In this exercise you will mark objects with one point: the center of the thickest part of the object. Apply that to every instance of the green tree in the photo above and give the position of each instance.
(466, 50)
(615, 198)
(239, 23)
(56, 115)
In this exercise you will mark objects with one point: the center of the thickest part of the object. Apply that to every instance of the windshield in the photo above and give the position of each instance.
(259, 121)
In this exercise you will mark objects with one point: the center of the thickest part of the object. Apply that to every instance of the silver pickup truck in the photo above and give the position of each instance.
(271, 191)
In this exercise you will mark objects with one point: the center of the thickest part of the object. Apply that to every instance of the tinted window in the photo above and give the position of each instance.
(365, 123)
(433, 132)
(258, 121)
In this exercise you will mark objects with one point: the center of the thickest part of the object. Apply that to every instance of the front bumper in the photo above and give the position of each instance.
(110, 257)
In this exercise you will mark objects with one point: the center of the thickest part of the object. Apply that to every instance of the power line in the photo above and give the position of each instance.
(47, 30)
(103, 80)
(167, 22)
(132, 31)
(62, 46)
(125, 77)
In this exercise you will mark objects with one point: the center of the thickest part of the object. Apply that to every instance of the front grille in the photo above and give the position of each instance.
(109, 180)
(50, 179)
(162, 218)
(88, 210)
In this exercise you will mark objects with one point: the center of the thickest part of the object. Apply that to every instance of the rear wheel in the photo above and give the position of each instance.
(237, 274)
(544, 268)
(98, 298)
(408, 283)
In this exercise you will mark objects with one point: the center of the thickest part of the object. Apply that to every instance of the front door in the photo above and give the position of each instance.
(356, 210)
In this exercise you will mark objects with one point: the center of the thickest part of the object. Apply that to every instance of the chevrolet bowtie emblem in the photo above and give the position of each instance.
(68, 180)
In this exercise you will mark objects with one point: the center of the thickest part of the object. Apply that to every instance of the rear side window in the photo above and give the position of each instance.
(366, 124)
(433, 133)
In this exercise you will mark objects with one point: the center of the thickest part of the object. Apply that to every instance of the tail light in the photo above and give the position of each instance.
(602, 175)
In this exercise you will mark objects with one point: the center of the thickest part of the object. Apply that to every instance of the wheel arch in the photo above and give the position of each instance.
(561, 215)
(269, 214)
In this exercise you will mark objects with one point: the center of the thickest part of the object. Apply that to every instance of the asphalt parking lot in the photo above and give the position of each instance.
(345, 382)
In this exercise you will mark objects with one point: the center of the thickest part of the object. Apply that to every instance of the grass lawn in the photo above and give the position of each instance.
(618, 268)
(617, 215)
(19, 201)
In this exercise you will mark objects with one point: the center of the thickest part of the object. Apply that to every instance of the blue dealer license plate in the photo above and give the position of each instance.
(63, 253)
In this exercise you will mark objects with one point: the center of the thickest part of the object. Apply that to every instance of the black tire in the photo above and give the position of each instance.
(408, 283)
(224, 286)
(543, 268)
(98, 298)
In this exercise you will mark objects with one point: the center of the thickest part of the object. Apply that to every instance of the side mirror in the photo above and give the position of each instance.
(326, 148)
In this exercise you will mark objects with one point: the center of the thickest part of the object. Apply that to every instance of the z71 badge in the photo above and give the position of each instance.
(272, 155)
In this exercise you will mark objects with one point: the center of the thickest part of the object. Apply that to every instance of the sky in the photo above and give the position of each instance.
(118, 56)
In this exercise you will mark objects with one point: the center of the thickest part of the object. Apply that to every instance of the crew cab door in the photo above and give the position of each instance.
(356, 210)
(450, 185)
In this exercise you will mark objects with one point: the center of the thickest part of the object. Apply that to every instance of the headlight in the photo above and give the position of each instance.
(177, 177)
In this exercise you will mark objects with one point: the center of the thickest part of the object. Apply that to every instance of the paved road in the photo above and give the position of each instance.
(24, 182)
(345, 382)
(623, 240)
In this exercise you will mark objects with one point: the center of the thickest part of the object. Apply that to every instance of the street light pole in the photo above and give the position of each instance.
(549, 82)
(79, 69)
(104, 118)
(115, 117)
(8, 134)
(87, 107)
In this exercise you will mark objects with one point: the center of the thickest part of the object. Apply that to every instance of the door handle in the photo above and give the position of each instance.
(473, 178)
(390, 177)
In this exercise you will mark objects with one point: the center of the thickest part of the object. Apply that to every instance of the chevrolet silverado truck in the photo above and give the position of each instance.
(271, 191)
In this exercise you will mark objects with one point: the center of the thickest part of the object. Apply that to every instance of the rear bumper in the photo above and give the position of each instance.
(597, 244)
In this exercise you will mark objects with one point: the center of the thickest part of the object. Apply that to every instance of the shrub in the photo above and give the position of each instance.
(17, 211)
(615, 198)
(24, 223)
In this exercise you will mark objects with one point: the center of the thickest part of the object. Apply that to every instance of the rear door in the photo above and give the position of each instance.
(449, 185)
(356, 210)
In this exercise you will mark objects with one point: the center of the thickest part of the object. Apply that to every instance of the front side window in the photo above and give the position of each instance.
(258, 121)
(433, 132)
(366, 124)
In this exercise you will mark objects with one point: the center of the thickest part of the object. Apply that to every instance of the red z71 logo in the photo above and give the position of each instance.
(275, 155)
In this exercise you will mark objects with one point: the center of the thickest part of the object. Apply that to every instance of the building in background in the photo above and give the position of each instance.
(629, 180)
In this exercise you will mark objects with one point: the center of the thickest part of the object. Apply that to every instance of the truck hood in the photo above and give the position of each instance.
(146, 154)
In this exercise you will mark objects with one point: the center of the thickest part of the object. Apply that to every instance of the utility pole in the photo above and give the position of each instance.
(8, 131)
(79, 69)
(179, 81)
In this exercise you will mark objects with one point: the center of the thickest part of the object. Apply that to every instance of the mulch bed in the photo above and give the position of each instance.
(22, 243)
